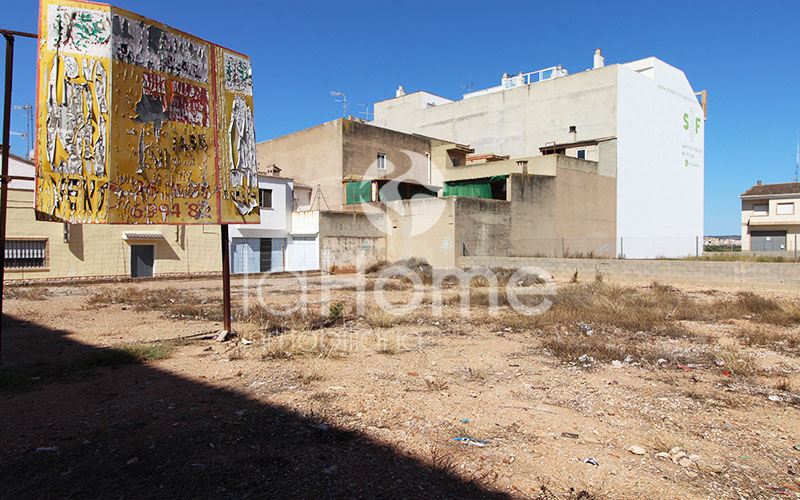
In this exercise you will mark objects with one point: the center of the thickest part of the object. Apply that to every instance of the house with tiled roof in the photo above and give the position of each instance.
(771, 217)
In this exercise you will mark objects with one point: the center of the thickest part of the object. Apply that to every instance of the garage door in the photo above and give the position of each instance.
(245, 255)
(768, 241)
(304, 254)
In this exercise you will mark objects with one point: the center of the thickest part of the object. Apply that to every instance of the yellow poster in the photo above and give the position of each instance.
(139, 123)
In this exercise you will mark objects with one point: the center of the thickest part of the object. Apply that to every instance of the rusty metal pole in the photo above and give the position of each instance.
(4, 180)
(226, 278)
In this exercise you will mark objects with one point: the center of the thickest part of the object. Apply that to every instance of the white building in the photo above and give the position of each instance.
(282, 241)
(641, 121)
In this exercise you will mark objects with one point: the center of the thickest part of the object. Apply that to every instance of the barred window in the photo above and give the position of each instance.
(21, 254)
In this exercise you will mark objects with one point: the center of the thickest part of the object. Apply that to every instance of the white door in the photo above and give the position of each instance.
(304, 254)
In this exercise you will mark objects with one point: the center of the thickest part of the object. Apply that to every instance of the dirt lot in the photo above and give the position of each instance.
(630, 392)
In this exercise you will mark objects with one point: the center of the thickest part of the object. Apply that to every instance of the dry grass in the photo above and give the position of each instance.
(297, 344)
(310, 375)
(656, 309)
(739, 363)
(768, 336)
(270, 323)
(19, 293)
(378, 318)
(173, 302)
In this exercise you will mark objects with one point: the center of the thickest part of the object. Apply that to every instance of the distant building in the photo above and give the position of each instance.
(640, 121)
(771, 217)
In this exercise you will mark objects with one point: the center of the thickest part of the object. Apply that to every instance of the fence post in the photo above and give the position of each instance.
(621, 249)
(562, 248)
(795, 248)
(696, 247)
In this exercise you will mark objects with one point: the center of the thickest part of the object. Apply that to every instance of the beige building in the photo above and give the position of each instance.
(39, 250)
(391, 195)
(771, 217)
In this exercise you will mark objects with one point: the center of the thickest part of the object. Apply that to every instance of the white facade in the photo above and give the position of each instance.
(649, 124)
(273, 245)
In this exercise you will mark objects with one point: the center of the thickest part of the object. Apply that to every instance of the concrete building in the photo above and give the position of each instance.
(351, 167)
(771, 217)
(51, 250)
(392, 195)
(640, 121)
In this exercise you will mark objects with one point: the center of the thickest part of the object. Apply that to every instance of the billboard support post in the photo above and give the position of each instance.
(4, 179)
(226, 278)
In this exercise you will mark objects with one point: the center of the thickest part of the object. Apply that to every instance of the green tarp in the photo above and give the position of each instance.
(358, 192)
(473, 188)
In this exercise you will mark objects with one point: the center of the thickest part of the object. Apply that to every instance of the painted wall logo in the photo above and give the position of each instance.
(691, 152)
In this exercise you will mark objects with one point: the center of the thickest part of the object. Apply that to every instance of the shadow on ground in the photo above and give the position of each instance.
(134, 431)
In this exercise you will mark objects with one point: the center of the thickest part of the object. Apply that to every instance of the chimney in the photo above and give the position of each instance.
(400, 92)
(599, 60)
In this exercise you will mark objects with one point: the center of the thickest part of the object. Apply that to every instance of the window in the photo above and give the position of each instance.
(582, 154)
(26, 254)
(760, 209)
(785, 209)
(265, 198)
(456, 161)
(381, 161)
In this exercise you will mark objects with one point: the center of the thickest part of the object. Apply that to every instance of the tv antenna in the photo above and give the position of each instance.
(468, 87)
(366, 113)
(797, 160)
(343, 100)
(28, 134)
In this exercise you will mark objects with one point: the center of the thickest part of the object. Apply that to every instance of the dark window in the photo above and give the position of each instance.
(573, 128)
(582, 154)
(456, 161)
(265, 198)
(265, 255)
(26, 254)
(381, 161)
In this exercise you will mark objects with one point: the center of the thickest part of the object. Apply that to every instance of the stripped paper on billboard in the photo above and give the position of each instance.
(139, 123)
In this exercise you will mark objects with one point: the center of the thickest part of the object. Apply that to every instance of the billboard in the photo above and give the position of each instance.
(139, 123)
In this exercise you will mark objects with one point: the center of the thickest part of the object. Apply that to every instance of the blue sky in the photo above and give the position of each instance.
(745, 53)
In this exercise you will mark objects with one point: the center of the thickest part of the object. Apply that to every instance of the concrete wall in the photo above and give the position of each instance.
(422, 228)
(99, 250)
(664, 271)
(344, 236)
(312, 157)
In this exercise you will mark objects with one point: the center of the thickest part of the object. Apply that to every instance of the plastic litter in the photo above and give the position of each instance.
(472, 441)
(720, 363)
(775, 398)
(464, 420)
(569, 435)
(587, 329)
(591, 461)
